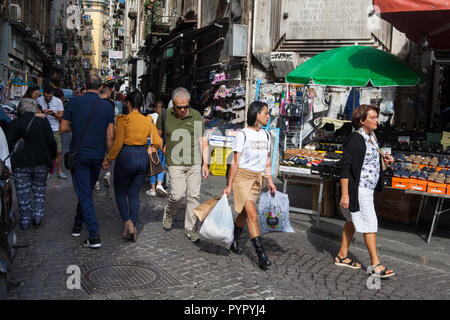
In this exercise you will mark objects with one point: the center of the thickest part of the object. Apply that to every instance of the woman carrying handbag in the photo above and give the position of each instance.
(361, 175)
(132, 160)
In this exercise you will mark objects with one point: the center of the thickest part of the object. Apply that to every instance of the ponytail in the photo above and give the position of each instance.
(136, 99)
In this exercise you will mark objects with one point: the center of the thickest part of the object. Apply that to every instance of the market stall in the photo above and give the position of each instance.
(420, 156)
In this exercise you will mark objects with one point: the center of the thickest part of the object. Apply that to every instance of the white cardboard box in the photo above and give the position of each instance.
(300, 170)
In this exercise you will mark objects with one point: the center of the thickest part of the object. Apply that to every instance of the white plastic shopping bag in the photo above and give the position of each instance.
(273, 212)
(218, 225)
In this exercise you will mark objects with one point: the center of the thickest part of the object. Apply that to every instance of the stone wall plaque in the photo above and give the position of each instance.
(325, 19)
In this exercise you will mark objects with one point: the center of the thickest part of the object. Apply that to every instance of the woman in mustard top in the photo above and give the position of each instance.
(130, 152)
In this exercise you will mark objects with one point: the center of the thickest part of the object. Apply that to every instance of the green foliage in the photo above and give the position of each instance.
(154, 14)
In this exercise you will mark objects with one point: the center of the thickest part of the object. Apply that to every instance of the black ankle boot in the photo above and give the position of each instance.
(264, 261)
(235, 245)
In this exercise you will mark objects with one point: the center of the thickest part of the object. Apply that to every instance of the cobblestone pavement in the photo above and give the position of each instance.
(166, 266)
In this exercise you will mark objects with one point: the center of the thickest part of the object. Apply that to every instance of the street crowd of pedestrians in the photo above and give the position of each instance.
(106, 131)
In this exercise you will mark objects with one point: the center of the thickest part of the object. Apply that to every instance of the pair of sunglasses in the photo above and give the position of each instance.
(182, 107)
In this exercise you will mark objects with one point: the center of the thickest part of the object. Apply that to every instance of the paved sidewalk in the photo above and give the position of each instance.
(167, 266)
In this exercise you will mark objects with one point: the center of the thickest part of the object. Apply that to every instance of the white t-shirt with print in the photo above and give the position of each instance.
(56, 105)
(254, 146)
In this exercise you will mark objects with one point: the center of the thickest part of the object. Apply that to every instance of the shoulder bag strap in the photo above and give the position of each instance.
(87, 125)
(28, 126)
(268, 138)
(163, 124)
(381, 152)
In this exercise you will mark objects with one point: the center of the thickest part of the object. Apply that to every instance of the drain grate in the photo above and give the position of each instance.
(124, 277)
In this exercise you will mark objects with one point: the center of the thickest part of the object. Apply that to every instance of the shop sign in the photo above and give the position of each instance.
(282, 63)
(115, 54)
(58, 49)
(282, 56)
(221, 141)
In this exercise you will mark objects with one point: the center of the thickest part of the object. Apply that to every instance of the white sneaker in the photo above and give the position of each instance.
(151, 192)
(107, 179)
(62, 175)
(97, 185)
(160, 190)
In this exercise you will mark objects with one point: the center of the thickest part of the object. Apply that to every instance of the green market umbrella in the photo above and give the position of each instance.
(355, 66)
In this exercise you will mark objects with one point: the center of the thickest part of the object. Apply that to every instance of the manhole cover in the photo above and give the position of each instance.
(124, 276)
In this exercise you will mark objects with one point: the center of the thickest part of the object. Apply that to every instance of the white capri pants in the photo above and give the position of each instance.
(365, 220)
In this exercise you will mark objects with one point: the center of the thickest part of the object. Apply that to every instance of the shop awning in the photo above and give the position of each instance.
(426, 22)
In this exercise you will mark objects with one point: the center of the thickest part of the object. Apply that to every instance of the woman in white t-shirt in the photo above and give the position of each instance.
(251, 163)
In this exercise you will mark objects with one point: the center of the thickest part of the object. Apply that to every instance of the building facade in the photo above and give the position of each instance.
(95, 36)
(25, 46)
(36, 45)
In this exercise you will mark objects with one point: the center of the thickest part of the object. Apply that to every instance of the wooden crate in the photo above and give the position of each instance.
(397, 206)
(328, 198)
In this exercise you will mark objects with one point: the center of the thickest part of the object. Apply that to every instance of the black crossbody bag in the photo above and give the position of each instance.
(69, 157)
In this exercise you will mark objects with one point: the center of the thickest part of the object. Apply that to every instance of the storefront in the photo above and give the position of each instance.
(313, 122)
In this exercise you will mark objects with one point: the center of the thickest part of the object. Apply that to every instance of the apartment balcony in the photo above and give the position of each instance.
(88, 37)
(88, 52)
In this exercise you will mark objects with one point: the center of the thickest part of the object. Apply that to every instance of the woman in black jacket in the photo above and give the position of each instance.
(361, 175)
(31, 164)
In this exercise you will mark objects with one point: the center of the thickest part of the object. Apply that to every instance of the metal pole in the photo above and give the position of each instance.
(248, 83)
(199, 14)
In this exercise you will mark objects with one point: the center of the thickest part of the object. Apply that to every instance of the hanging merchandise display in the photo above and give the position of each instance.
(18, 88)
(223, 100)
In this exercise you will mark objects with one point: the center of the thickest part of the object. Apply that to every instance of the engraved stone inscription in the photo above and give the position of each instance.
(325, 19)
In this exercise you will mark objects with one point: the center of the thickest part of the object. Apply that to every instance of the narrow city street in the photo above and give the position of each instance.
(167, 266)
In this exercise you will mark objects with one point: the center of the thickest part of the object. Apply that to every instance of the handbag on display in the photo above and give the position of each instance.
(69, 157)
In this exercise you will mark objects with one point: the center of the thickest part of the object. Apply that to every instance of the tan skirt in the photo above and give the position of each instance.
(247, 186)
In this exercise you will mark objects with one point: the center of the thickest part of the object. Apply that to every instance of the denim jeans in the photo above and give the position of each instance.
(84, 178)
(160, 176)
(129, 175)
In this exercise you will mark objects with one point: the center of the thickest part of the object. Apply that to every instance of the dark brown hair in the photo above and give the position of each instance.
(360, 114)
(30, 91)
